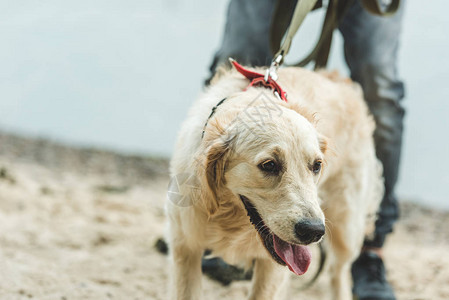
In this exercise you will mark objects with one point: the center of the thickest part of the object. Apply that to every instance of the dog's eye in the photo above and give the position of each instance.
(269, 166)
(316, 168)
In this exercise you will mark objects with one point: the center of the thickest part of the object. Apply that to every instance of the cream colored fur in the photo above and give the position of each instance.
(325, 118)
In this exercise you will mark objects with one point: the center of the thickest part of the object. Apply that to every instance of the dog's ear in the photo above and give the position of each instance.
(214, 171)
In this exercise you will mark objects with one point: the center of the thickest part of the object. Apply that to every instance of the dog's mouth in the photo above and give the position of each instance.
(296, 257)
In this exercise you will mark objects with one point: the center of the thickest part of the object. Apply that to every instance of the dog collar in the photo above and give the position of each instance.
(211, 114)
(258, 79)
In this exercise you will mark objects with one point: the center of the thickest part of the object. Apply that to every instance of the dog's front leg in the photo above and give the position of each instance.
(185, 272)
(270, 281)
(345, 248)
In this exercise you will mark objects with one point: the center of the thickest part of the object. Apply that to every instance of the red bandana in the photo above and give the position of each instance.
(259, 79)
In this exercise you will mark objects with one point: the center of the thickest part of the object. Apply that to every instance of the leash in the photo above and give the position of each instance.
(336, 9)
(302, 8)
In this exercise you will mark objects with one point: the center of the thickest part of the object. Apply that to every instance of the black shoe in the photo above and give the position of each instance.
(368, 273)
(220, 271)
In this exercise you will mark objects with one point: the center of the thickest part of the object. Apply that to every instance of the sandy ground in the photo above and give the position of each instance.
(82, 224)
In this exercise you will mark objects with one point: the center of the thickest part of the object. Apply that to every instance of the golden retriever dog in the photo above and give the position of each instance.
(265, 178)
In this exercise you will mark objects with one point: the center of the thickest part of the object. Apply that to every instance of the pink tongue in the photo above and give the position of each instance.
(296, 257)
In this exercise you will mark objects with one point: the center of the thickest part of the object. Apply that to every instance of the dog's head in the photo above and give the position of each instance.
(272, 165)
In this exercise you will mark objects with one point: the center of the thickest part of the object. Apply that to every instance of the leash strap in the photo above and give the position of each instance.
(303, 7)
(336, 10)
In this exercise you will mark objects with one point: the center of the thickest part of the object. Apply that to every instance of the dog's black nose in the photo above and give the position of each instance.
(309, 231)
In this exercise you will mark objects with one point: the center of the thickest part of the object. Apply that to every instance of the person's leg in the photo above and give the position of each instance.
(247, 33)
(371, 46)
